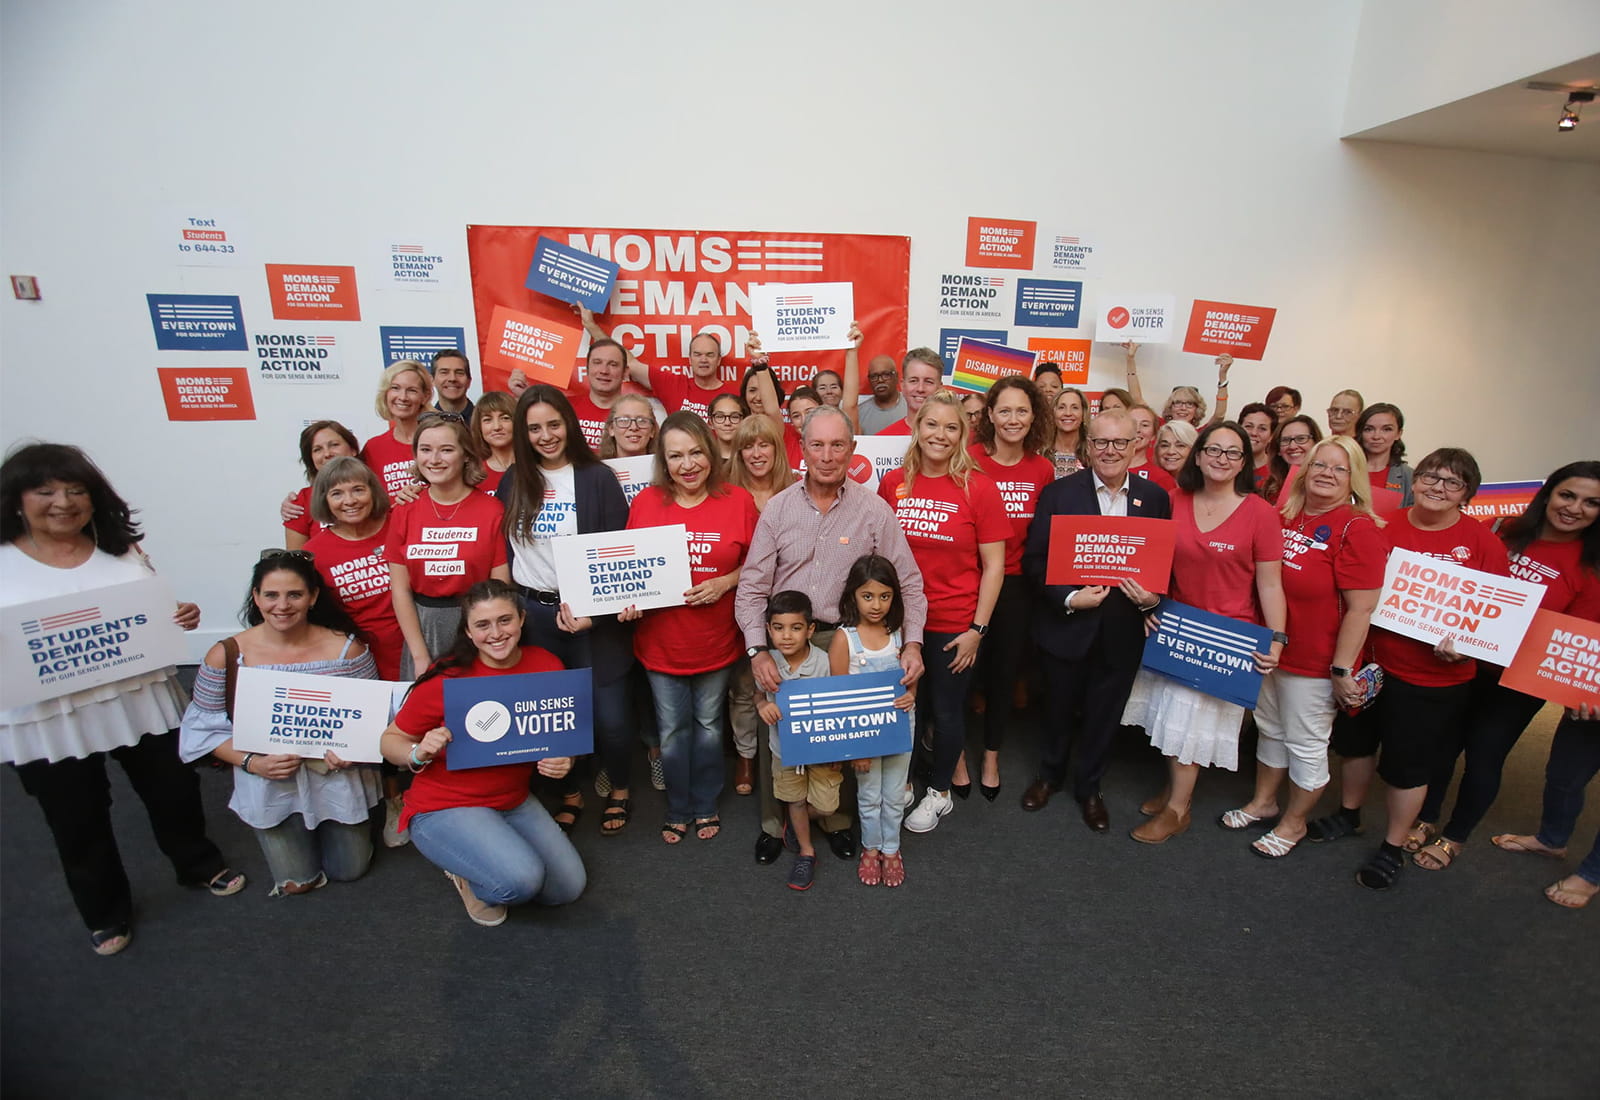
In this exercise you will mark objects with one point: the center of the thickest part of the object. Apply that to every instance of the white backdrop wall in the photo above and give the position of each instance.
(1196, 146)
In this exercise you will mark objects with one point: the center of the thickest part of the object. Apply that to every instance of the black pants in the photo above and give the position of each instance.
(75, 795)
(1087, 697)
(1499, 715)
(616, 728)
(942, 704)
(1000, 659)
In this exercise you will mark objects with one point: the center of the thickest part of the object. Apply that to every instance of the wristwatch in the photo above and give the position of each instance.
(1280, 637)
(1335, 670)
(752, 652)
(981, 629)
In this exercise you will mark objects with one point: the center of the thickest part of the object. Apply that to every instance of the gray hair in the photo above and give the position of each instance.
(827, 410)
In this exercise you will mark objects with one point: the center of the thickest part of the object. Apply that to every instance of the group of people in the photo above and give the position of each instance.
(426, 553)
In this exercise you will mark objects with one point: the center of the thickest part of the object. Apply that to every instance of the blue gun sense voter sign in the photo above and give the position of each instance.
(1211, 653)
(831, 718)
(518, 719)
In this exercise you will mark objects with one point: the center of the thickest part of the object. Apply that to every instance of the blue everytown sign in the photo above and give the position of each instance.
(1211, 653)
(518, 719)
(1048, 303)
(197, 322)
(571, 275)
(419, 342)
(831, 718)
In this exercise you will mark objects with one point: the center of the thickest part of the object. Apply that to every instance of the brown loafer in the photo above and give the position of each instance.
(1037, 794)
(1152, 806)
(744, 775)
(1161, 828)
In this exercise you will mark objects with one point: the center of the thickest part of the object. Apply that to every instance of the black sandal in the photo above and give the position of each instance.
(614, 818)
(673, 832)
(571, 813)
(1333, 827)
(1380, 872)
(701, 824)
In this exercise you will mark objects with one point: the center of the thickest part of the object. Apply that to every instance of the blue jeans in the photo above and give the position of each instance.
(880, 801)
(296, 854)
(1574, 760)
(509, 856)
(689, 715)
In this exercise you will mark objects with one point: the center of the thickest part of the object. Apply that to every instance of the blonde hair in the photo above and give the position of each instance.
(608, 442)
(1360, 487)
(751, 429)
(386, 379)
(961, 463)
(471, 464)
(1185, 393)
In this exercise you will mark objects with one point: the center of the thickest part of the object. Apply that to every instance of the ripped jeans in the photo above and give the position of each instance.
(296, 854)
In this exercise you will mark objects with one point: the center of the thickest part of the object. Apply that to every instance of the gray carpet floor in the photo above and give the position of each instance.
(1024, 955)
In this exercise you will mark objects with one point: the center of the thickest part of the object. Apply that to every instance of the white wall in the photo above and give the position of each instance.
(1197, 146)
(1413, 55)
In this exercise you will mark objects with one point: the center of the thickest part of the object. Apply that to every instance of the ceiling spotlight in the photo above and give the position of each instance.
(1569, 113)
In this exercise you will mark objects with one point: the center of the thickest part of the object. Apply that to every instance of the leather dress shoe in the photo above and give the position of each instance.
(768, 849)
(1094, 813)
(841, 843)
(1037, 794)
(1161, 828)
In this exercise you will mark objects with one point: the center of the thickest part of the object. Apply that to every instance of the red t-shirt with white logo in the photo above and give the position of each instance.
(1322, 556)
(944, 525)
(436, 787)
(446, 548)
(1151, 472)
(591, 417)
(1569, 587)
(391, 460)
(680, 393)
(1465, 542)
(686, 641)
(356, 571)
(1019, 487)
(1216, 570)
(303, 523)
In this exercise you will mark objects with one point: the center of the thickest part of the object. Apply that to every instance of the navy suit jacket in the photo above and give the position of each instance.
(1116, 623)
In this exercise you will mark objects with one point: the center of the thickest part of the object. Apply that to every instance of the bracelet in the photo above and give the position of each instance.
(1223, 384)
(418, 765)
(245, 763)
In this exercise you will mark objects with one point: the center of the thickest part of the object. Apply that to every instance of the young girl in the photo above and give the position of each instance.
(870, 614)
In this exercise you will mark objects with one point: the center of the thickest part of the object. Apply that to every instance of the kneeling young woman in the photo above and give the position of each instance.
(492, 839)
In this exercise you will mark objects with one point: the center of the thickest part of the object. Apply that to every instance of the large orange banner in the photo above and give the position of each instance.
(677, 283)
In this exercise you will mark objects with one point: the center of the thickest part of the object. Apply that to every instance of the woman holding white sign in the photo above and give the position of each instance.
(688, 650)
(1427, 687)
(493, 840)
(1228, 560)
(558, 487)
(1554, 543)
(64, 530)
(441, 543)
(1333, 559)
(309, 815)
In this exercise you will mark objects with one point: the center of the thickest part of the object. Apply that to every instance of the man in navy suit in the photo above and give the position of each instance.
(1090, 638)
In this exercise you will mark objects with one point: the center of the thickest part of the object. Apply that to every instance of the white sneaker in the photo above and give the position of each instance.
(910, 797)
(925, 818)
(393, 835)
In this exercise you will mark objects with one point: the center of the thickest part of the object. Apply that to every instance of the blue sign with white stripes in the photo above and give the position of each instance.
(829, 718)
(419, 342)
(1211, 653)
(571, 275)
(1048, 303)
(197, 322)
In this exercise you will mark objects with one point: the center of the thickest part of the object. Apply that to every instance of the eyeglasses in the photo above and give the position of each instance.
(1118, 445)
(1451, 484)
(1283, 406)
(726, 418)
(634, 421)
(1329, 468)
(1295, 440)
(873, 376)
(1232, 454)
(1182, 404)
(279, 552)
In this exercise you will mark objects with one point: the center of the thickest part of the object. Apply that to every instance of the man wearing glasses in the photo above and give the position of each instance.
(1090, 638)
(885, 404)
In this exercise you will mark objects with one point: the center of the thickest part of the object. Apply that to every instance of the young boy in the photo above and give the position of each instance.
(811, 791)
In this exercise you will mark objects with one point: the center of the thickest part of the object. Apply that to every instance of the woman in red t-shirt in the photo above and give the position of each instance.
(688, 651)
(480, 826)
(322, 440)
(957, 527)
(441, 543)
(1258, 423)
(1427, 688)
(1291, 443)
(492, 432)
(1015, 426)
(1554, 543)
(1228, 560)
(1144, 438)
(405, 392)
(1381, 429)
(1173, 443)
(1333, 560)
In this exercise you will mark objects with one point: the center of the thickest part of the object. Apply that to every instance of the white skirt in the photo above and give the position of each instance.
(1184, 723)
(95, 720)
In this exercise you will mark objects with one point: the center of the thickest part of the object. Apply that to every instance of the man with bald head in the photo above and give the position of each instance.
(885, 404)
(808, 537)
(1090, 638)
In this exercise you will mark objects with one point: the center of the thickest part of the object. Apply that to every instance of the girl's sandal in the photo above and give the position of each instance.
(567, 815)
(674, 831)
(894, 870)
(614, 818)
(1438, 855)
(707, 828)
(1420, 836)
(870, 869)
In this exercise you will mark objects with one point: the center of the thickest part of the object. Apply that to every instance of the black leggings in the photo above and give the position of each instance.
(1498, 717)
(1000, 658)
(942, 703)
